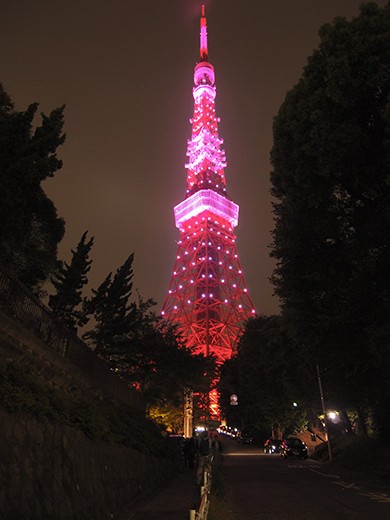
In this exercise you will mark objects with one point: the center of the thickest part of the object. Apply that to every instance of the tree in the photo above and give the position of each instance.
(141, 349)
(30, 228)
(161, 367)
(268, 374)
(113, 312)
(331, 184)
(69, 281)
(151, 357)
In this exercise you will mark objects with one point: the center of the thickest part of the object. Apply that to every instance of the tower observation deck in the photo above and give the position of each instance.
(207, 298)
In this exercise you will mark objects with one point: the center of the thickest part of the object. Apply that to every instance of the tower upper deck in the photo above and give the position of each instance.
(206, 157)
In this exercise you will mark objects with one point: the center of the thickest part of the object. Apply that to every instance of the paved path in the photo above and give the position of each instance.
(266, 487)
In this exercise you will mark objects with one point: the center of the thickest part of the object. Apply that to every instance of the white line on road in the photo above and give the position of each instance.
(377, 497)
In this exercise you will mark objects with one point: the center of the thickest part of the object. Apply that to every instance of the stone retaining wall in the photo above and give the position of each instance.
(50, 471)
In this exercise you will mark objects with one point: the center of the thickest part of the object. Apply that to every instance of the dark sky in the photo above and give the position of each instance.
(124, 69)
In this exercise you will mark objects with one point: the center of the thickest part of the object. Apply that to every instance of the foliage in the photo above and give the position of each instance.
(69, 281)
(362, 454)
(144, 351)
(268, 374)
(154, 360)
(331, 183)
(23, 391)
(168, 417)
(113, 313)
(30, 228)
(219, 504)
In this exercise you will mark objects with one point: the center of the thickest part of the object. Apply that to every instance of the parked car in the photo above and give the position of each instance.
(272, 446)
(293, 447)
(245, 438)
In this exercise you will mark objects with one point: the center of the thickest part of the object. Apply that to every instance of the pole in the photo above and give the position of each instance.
(324, 412)
(188, 412)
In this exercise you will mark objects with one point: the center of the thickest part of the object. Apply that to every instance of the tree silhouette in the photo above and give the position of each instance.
(30, 228)
(69, 281)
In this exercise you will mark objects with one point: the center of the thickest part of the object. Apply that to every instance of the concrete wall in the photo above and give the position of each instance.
(50, 471)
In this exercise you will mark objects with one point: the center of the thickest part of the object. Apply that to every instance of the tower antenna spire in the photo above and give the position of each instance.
(203, 36)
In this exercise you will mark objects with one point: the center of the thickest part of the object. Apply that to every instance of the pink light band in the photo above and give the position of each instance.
(203, 39)
(206, 200)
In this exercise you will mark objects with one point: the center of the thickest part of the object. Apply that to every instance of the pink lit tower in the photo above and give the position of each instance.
(207, 298)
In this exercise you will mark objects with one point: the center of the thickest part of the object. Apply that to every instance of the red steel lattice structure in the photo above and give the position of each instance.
(207, 298)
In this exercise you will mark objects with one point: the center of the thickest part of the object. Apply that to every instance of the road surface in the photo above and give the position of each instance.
(267, 487)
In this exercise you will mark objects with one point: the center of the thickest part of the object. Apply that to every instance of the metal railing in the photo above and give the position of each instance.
(202, 511)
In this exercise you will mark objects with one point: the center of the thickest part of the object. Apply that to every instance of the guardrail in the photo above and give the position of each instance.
(202, 511)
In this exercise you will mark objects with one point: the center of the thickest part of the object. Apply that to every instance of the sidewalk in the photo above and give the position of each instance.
(173, 502)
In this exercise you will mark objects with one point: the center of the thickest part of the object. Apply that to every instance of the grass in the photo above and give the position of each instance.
(358, 454)
(219, 508)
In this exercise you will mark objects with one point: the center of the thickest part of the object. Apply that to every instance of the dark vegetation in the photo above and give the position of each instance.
(23, 391)
(355, 456)
(30, 229)
(121, 329)
(331, 188)
(69, 281)
(219, 508)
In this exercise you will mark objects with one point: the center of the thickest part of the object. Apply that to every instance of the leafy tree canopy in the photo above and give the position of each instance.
(30, 228)
(331, 183)
(145, 352)
(268, 374)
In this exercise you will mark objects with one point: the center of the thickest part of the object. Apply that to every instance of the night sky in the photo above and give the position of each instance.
(124, 69)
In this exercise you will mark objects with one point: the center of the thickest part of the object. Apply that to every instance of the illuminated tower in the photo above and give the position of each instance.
(207, 295)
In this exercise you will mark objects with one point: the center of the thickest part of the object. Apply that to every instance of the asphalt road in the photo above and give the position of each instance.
(265, 487)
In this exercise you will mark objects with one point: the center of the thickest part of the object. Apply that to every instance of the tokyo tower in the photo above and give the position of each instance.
(207, 299)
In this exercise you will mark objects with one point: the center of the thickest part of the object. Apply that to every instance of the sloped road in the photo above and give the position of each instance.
(266, 487)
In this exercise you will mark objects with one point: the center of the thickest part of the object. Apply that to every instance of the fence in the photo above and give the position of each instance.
(203, 508)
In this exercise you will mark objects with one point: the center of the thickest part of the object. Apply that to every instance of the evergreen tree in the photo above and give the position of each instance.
(69, 282)
(139, 347)
(113, 313)
(331, 186)
(160, 366)
(269, 372)
(30, 228)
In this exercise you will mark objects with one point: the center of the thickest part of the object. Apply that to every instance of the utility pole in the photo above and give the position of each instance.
(324, 412)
